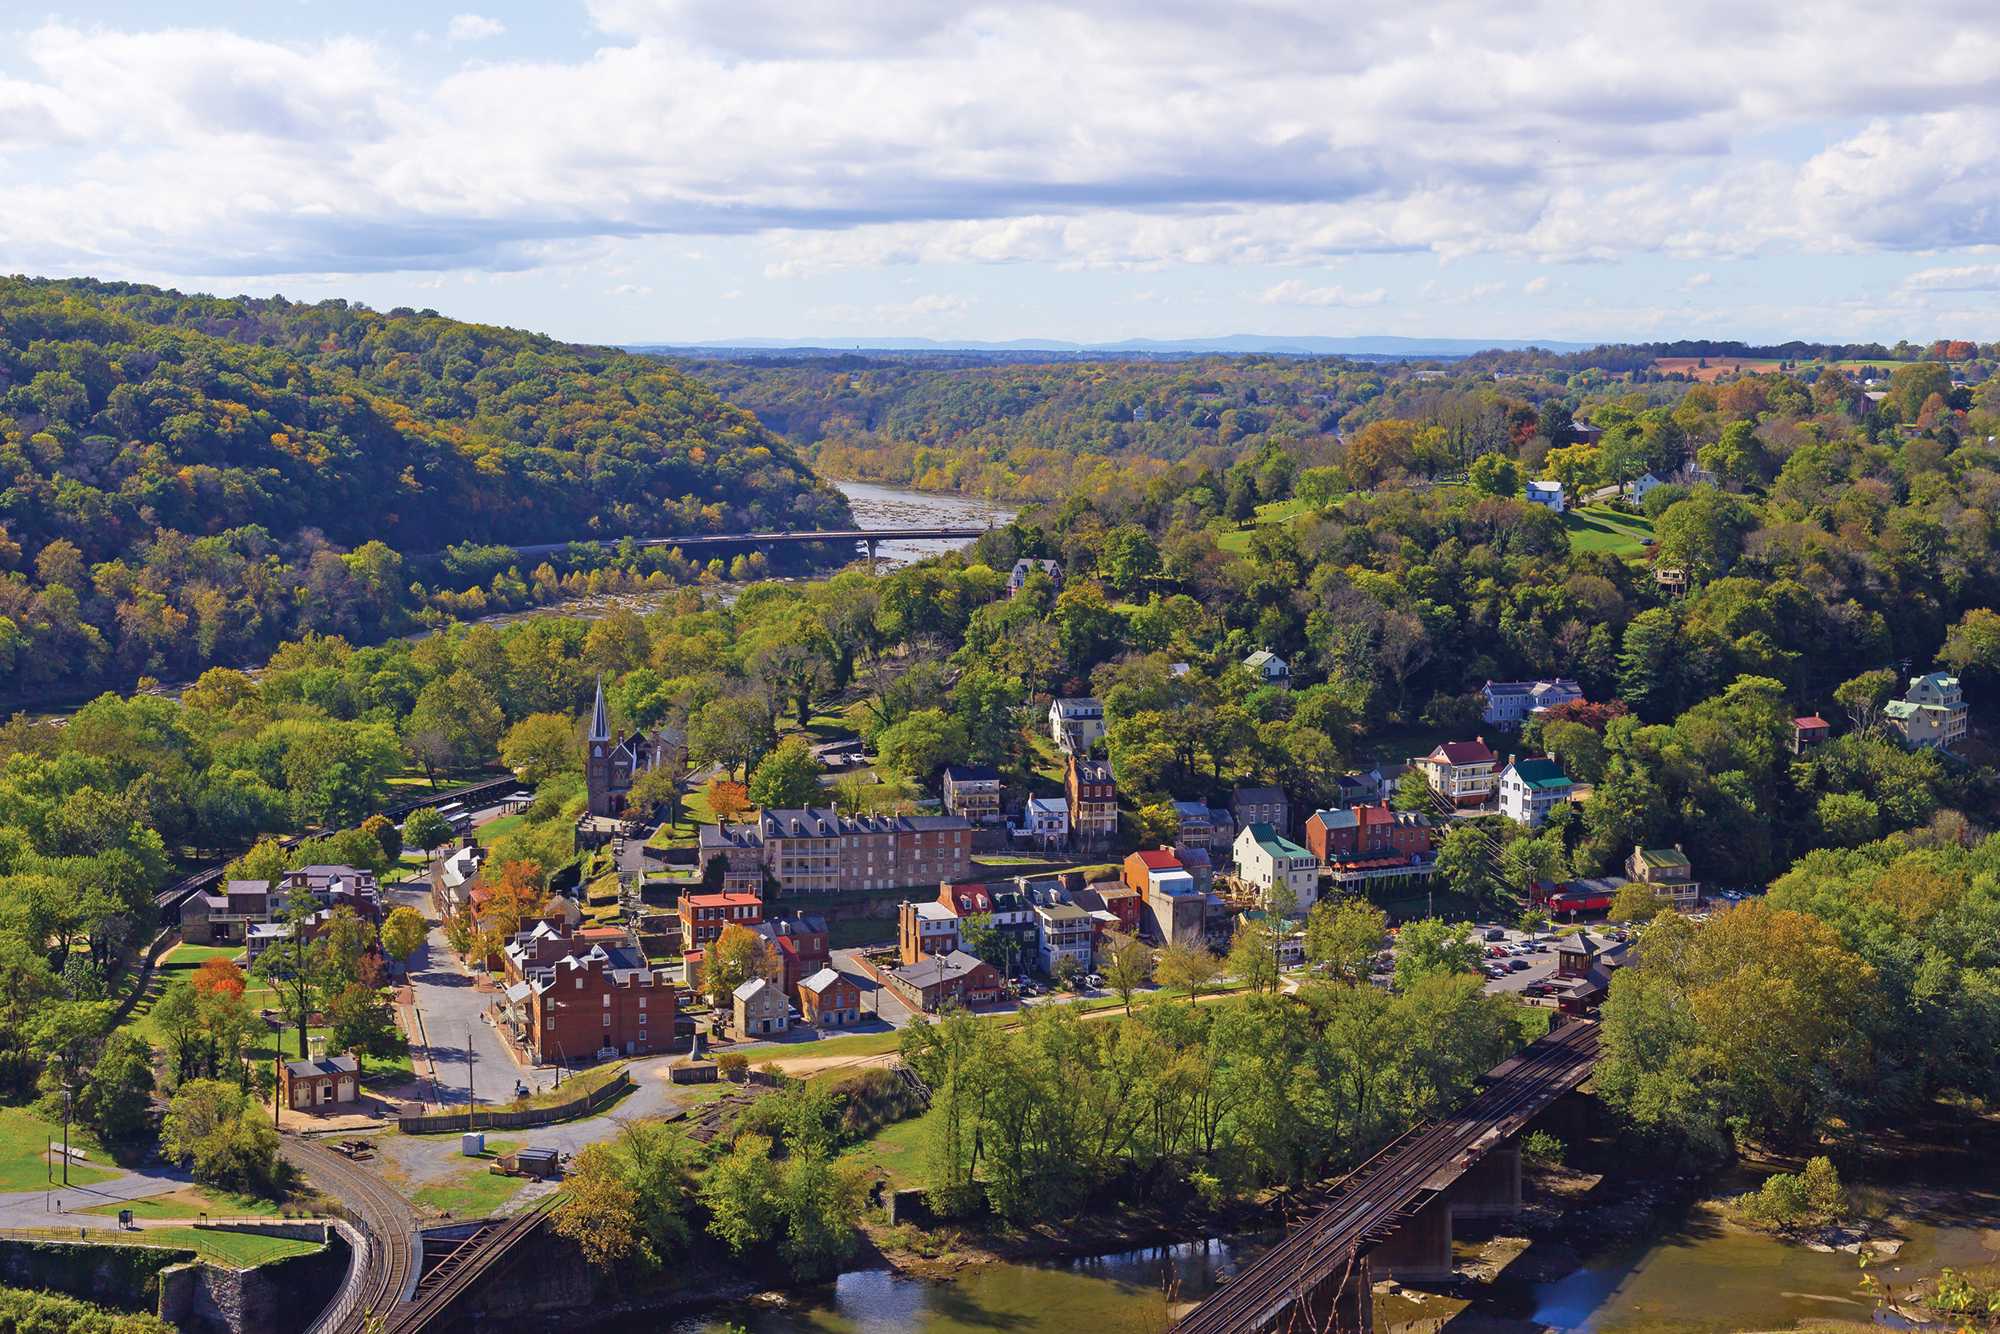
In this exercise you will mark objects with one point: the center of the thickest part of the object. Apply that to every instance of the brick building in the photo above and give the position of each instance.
(1093, 802)
(800, 942)
(813, 850)
(830, 999)
(605, 1000)
(924, 929)
(704, 915)
(611, 764)
(1368, 843)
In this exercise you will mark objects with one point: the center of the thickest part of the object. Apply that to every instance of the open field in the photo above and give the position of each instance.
(1717, 366)
(24, 1141)
(191, 1202)
(1236, 541)
(1600, 528)
(898, 1150)
(178, 965)
(474, 1190)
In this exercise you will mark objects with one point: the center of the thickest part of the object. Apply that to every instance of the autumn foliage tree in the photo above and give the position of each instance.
(218, 977)
(727, 800)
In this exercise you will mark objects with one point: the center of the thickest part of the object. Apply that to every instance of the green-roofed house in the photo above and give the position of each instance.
(1266, 859)
(1931, 715)
(1668, 871)
(1531, 788)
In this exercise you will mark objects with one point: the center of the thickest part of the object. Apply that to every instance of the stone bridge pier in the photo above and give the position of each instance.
(1419, 1251)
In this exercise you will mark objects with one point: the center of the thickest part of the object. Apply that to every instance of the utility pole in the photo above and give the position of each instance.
(470, 1101)
(277, 1084)
(66, 1098)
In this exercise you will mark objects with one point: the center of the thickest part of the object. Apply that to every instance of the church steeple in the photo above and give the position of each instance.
(600, 721)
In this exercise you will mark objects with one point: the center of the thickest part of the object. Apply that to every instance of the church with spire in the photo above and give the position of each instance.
(611, 764)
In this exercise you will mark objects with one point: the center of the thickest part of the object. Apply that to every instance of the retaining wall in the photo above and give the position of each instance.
(500, 1118)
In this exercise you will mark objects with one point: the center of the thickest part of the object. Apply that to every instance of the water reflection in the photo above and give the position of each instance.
(1132, 1292)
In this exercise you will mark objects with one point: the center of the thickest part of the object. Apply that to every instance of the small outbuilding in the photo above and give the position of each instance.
(320, 1080)
(761, 1007)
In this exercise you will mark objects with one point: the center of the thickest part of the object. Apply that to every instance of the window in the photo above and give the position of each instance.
(579, 984)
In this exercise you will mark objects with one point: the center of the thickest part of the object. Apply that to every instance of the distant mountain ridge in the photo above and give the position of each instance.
(1297, 345)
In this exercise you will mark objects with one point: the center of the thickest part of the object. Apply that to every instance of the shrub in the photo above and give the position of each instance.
(25, 1312)
(1788, 1201)
(733, 1066)
(1542, 1148)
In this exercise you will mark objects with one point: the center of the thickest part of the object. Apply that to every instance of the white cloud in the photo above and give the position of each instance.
(1697, 281)
(1293, 292)
(474, 28)
(1537, 285)
(1965, 278)
(1103, 134)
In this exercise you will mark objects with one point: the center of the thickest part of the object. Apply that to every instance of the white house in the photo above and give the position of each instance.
(1547, 494)
(761, 1007)
(1510, 702)
(1646, 483)
(1269, 668)
(1530, 789)
(1063, 931)
(1077, 724)
(1265, 859)
(1046, 822)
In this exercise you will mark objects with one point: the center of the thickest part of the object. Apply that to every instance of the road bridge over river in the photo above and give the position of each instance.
(869, 539)
(1395, 1211)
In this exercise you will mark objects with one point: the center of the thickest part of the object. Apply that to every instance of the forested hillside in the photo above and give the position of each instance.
(1043, 430)
(185, 480)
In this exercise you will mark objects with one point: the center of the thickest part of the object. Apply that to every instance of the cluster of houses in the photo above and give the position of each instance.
(579, 993)
(252, 913)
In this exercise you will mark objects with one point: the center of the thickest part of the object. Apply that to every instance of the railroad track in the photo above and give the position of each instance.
(467, 1265)
(1380, 1194)
(389, 1269)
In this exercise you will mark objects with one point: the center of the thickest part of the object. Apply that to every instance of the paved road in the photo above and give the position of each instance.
(52, 1207)
(876, 999)
(455, 1027)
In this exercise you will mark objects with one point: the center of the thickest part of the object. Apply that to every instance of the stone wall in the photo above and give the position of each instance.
(127, 1277)
(282, 1297)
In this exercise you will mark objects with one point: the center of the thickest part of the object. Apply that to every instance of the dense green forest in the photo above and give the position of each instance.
(1026, 430)
(187, 479)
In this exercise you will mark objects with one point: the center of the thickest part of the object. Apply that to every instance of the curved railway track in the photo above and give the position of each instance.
(1379, 1193)
(388, 1272)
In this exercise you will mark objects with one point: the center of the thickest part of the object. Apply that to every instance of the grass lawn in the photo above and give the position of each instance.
(239, 1250)
(178, 965)
(1601, 528)
(24, 1140)
(1236, 541)
(493, 830)
(475, 1190)
(192, 1202)
(897, 1149)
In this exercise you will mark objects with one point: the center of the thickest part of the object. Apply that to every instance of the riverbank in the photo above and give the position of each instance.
(1612, 1245)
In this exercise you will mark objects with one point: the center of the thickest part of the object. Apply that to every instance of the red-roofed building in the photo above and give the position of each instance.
(1139, 867)
(1808, 732)
(704, 915)
(1462, 772)
(801, 944)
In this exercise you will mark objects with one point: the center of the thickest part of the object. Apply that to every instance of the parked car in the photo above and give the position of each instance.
(1495, 933)
(1518, 965)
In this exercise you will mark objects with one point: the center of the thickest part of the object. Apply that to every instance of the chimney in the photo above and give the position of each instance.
(316, 1048)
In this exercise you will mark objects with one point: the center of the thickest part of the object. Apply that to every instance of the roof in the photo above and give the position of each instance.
(750, 990)
(1901, 708)
(1466, 752)
(1942, 679)
(1078, 704)
(1273, 842)
(1092, 771)
(937, 968)
(932, 911)
(727, 898)
(1061, 912)
(1541, 773)
(1049, 805)
(1256, 796)
(1263, 656)
(1545, 486)
(971, 773)
(1192, 810)
(600, 721)
(1810, 720)
(1158, 859)
(328, 1065)
(1544, 685)
(1664, 857)
(821, 980)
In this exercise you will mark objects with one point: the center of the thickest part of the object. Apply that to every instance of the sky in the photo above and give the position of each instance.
(699, 170)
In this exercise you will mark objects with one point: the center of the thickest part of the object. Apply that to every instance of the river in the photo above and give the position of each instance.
(1131, 1292)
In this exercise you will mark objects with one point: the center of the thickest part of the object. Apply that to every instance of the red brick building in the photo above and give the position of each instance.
(1362, 844)
(704, 915)
(1139, 867)
(939, 980)
(800, 942)
(1120, 900)
(830, 999)
(925, 929)
(603, 1000)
